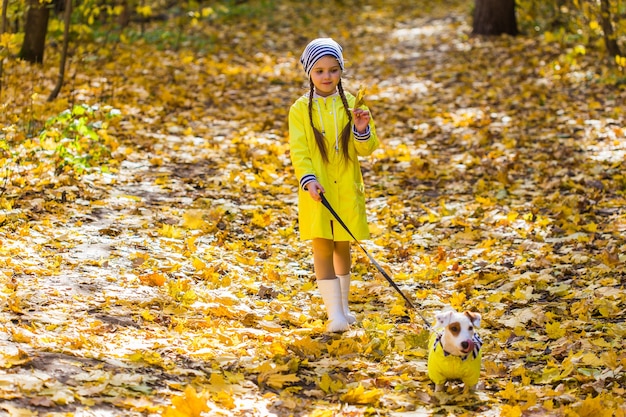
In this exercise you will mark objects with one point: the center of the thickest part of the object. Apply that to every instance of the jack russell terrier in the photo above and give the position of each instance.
(454, 350)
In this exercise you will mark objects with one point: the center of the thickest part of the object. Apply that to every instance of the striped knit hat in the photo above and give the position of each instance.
(317, 49)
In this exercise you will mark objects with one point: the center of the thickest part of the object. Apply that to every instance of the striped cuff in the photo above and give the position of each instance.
(361, 136)
(307, 179)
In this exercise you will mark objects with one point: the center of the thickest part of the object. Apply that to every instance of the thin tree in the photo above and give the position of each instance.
(66, 42)
(610, 39)
(3, 28)
(5, 6)
(494, 17)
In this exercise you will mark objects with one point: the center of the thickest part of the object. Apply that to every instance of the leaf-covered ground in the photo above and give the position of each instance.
(175, 284)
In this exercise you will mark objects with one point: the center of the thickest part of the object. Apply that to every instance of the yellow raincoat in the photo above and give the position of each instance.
(443, 367)
(341, 179)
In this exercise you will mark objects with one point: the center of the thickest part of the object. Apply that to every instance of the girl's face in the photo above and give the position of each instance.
(325, 75)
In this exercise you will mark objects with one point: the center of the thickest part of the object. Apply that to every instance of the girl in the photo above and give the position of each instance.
(326, 136)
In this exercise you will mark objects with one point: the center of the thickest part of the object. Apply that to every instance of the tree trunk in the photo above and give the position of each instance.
(610, 40)
(124, 18)
(66, 42)
(494, 17)
(3, 28)
(5, 6)
(35, 32)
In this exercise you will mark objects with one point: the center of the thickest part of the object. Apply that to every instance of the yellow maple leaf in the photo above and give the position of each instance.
(246, 260)
(555, 330)
(167, 230)
(549, 374)
(155, 279)
(591, 227)
(277, 380)
(286, 231)
(594, 407)
(218, 383)
(523, 294)
(308, 346)
(323, 413)
(14, 304)
(221, 390)
(261, 220)
(590, 359)
(343, 347)
(147, 356)
(162, 179)
(190, 242)
(224, 399)
(192, 219)
(329, 385)
(361, 396)
(181, 290)
(198, 264)
(511, 410)
(458, 299)
(521, 372)
(542, 221)
(360, 98)
(147, 315)
(397, 310)
(510, 392)
(188, 405)
(610, 359)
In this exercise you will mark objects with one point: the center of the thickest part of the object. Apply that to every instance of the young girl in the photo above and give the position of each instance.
(326, 137)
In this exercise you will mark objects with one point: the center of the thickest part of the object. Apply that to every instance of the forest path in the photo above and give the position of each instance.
(492, 192)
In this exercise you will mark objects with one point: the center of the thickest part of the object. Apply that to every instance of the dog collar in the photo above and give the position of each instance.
(474, 353)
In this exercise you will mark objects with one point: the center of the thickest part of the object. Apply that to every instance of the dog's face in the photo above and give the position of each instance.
(458, 334)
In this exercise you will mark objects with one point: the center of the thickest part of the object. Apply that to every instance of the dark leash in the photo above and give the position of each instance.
(376, 264)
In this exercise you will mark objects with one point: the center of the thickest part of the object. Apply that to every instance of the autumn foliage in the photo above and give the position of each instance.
(149, 254)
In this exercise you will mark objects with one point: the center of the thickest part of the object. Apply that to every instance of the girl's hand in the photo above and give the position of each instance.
(315, 188)
(361, 119)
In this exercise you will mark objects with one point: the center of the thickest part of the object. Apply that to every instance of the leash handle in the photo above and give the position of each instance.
(380, 269)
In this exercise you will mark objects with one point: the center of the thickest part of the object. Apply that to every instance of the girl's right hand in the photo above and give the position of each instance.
(315, 188)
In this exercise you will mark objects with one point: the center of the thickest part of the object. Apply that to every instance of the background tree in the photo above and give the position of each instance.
(35, 31)
(3, 27)
(494, 17)
(66, 42)
(610, 38)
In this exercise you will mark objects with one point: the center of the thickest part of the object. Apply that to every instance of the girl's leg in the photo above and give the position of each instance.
(341, 258)
(329, 285)
(323, 251)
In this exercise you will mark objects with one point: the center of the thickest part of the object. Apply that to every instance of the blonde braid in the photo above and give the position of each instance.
(346, 133)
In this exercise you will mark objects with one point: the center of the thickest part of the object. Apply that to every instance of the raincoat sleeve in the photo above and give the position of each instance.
(298, 146)
(366, 144)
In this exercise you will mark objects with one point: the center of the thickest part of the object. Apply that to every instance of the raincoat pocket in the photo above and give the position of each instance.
(359, 199)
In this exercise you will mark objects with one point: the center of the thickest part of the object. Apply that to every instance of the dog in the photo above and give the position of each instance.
(454, 350)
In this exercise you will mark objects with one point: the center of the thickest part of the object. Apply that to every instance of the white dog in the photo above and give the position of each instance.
(454, 350)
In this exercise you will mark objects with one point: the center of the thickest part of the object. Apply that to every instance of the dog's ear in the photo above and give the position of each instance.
(474, 318)
(443, 318)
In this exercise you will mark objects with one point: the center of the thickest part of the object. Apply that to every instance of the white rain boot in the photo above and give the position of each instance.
(330, 289)
(344, 281)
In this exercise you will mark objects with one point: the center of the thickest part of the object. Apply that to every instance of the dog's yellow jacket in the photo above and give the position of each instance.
(443, 367)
